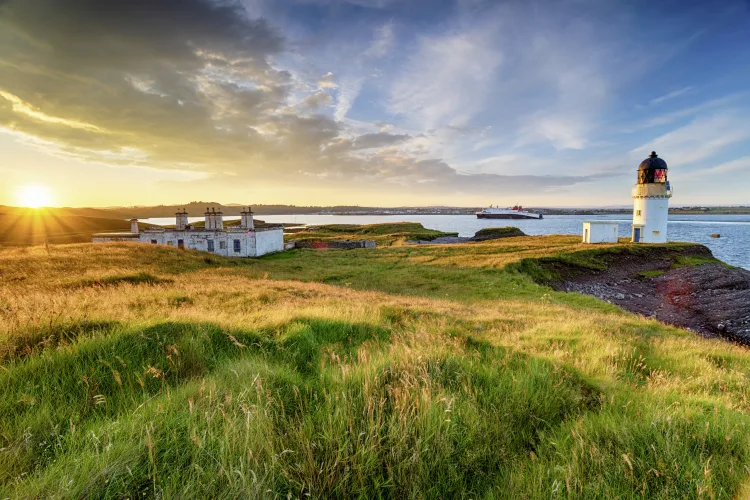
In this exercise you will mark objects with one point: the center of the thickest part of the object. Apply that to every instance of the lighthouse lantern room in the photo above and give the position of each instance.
(651, 201)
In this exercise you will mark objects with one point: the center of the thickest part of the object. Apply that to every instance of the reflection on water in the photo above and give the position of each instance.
(733, 247)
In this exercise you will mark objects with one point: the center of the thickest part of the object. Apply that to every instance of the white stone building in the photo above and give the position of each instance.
(600, 232)
(243, 240)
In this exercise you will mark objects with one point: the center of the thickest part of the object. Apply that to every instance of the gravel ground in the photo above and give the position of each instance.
(710, 299)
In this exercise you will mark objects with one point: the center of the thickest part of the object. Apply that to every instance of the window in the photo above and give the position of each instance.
(210, 245)
(170, 243)
(223, 245)
(236, 246)
(637, 212)
(660, 175)
(153, 242)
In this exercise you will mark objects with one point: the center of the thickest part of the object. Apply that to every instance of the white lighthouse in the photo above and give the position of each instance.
(651, 201)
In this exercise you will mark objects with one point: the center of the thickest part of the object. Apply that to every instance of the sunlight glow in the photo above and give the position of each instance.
(34, 196)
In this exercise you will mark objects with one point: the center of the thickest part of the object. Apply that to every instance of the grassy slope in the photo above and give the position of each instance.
(414, 371)
(382, 234)
(34, 226)
(498, 232)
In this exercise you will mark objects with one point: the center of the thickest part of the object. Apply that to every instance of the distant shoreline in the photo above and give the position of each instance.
(591, 213)
(420, 213)
(197, 209)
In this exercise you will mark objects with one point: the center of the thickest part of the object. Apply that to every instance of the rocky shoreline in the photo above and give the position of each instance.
(706, 297)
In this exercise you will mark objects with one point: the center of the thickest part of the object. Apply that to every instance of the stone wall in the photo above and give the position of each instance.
(339, 244)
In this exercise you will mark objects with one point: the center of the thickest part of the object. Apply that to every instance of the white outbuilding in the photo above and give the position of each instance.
(246, 239)
(600, 232)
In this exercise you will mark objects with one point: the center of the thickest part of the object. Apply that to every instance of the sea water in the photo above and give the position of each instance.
(733, 247)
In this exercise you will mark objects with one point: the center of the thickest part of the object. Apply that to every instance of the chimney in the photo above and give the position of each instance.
(134, 226)
(219, 221)
(181, 220)
(247, 219)
(209, 219)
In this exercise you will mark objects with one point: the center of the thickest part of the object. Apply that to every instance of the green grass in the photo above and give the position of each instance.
(498, 232)
(550, 268)
(651, 274)
(694, 261)
(405, 371)
(383, 234)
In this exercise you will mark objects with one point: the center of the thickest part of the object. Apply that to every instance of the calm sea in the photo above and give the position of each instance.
(733, 247)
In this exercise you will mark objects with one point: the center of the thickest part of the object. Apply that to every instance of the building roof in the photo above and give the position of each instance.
(115, 235)
(653, 162)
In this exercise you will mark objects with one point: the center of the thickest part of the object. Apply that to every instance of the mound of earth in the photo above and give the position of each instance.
(493, 233)
(490, 233)
(706, 297)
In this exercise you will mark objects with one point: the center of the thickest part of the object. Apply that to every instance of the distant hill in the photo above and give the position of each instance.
(105, 213)
(19, 226)
(198, 208)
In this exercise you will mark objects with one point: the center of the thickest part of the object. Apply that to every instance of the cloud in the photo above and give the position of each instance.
(445, 81)
(691, 111)
(20, 107)
(383, 42)
(347, 93)
(197, 85)
(563, 131)
(317, 100)
(670, 95)
(201, 70)
(359, 67)
(700, 139)
(378, 139)
(434, 175)
(370, 4)
(739, 165)
(536, 77)
(327, 81)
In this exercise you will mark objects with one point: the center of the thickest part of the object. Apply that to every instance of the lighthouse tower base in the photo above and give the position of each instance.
(650, 219)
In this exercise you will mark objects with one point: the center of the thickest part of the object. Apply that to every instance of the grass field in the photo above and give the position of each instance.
(406, 371)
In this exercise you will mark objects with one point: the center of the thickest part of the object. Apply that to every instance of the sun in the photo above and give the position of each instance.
(34, 196)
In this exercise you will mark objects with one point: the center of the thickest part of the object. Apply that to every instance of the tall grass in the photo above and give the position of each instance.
(410, 372)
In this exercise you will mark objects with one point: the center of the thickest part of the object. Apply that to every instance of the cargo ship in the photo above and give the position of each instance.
(516, 212)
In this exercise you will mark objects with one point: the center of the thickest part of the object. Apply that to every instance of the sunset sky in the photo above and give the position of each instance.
(372, 102)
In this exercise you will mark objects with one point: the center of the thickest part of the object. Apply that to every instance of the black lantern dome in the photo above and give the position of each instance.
(652, 170)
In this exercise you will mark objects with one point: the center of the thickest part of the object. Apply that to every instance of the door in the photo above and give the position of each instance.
(585, 235)
(210, 245)
(180, 243)
(637, 235)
